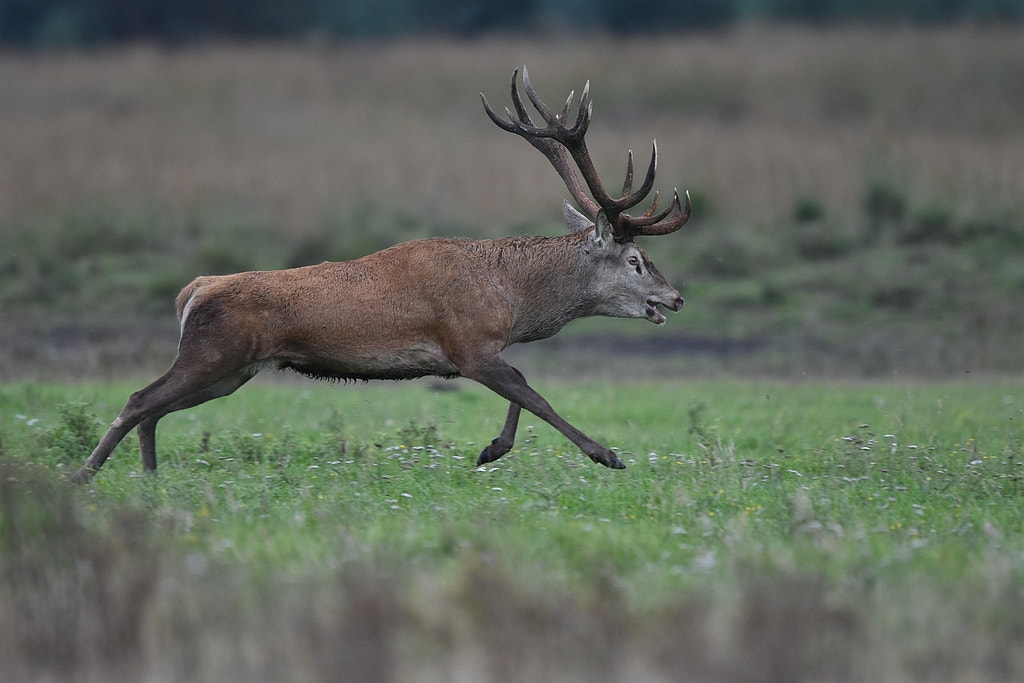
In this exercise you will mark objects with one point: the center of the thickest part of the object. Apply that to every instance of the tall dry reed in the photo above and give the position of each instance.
(750, 118)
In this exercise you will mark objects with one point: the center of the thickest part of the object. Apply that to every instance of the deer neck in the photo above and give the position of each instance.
(549, 282)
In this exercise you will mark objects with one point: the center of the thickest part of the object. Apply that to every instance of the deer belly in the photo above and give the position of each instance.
(403, 363)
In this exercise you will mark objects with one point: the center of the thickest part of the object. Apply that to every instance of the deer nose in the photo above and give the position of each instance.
(678, 303)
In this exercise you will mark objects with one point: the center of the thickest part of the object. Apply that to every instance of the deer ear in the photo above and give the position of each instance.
(602, 230)
(574, 220)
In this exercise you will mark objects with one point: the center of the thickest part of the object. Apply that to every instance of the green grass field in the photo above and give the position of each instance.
(762, 531)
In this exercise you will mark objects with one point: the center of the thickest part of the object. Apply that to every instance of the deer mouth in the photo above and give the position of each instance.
(653, 314)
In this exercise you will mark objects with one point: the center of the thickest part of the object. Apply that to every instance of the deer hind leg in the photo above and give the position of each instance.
(174, 388)
(147, 427)
(502, 444)
(503, 379)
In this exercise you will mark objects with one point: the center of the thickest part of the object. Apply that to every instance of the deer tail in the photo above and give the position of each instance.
(185, 297)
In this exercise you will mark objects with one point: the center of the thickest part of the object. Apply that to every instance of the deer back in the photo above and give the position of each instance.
(418, 308)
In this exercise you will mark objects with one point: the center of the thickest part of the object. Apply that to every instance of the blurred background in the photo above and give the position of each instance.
(857, 168)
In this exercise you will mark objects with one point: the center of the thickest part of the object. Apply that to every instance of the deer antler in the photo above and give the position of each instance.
(563, 145)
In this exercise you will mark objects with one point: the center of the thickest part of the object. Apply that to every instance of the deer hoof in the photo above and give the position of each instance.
(608, 459)
(491, 453)
(83, 475)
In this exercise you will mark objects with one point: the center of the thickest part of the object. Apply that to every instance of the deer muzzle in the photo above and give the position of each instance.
(655, 315)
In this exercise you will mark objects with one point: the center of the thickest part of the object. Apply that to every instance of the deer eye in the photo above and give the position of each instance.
(635, 262)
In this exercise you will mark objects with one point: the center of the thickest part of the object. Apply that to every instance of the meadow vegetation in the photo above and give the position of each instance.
(762, 532)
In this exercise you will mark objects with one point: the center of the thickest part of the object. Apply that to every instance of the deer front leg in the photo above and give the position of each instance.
(502, 444)
(504, 380)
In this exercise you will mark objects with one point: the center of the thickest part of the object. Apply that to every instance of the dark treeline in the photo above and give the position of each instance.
(71, 23)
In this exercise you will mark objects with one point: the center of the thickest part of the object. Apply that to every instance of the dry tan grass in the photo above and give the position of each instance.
(752, 118)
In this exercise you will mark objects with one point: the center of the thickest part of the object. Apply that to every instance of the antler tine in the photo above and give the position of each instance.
(648, 184)
(564, 116)
(549, 116)
(652, 208)
(585, 112)
(524, 113)
(585, 102)
(669, 220)
(512, 125)
(627, 186)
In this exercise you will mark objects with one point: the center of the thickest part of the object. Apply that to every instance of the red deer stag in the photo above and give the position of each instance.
(442, 307)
